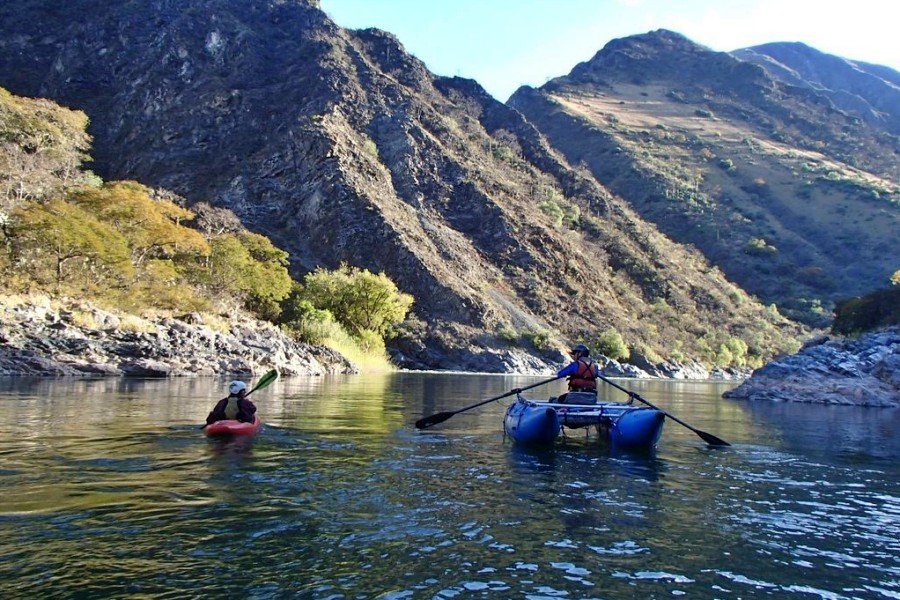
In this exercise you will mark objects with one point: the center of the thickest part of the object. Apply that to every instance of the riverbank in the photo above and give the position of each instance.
(864, 372)
(40, 336)
(59, 337)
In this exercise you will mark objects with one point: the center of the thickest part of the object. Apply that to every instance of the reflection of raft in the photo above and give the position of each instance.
(625, 426)
(233, 427)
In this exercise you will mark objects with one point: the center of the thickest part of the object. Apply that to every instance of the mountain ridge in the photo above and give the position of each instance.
(721, 155)
(341, 147)
(870, 92)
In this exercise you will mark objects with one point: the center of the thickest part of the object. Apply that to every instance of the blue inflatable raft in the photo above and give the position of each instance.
(625, 426)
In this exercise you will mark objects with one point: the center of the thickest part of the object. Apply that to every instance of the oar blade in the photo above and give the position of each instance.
(711, 439)
(265, 380)
(434, 419)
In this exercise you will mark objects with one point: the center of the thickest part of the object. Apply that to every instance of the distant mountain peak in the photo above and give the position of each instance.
(868, 92)
(660, 54)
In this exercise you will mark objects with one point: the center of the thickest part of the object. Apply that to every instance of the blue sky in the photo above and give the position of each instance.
(506, 43)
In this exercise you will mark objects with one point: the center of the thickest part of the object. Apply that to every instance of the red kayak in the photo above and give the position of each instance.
(232, 427)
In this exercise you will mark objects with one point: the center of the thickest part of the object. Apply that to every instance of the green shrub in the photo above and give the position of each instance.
(371, 148)
(507, 334)
(738, 350)
(358, 299)
(540, 339)
(571, 215)
(610, 343)
(370, 342)
(307, 323)
(504, 153)
(862, 313)
(552, 209)
(724, 357)
(760, 247)
(702, 112)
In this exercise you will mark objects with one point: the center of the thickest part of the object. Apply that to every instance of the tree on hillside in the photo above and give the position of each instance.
(151, 227)
(48, 237)
(42, 146)
(360, 300)
(215, 220)
(249, 267)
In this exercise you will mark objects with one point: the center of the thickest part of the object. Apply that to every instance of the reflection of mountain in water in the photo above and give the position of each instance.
(834, 429)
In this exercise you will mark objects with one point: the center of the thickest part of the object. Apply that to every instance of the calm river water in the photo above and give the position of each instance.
(107, 489)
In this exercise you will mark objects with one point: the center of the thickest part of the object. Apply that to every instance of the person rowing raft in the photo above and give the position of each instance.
(582, 373)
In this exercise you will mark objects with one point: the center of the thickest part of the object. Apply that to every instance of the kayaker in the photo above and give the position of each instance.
(582, 372)
(235, 406)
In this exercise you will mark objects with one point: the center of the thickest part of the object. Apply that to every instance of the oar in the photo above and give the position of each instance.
(263, 382)
(707, 437)
(440, 417)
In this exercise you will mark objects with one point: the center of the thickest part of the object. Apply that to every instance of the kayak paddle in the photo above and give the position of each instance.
(263, 382)
(707, 437)
(440, 417)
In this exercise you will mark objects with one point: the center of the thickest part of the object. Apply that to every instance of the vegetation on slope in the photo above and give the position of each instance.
(124, 245)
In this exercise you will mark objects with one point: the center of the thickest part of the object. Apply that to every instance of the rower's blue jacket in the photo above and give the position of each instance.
(572, 369)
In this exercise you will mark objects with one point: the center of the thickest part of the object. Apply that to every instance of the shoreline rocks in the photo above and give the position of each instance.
(40, 339)
(72, 338)
(860, 372)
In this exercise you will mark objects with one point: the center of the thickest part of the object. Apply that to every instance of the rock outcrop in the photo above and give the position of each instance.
(39, 337)
(862, 372)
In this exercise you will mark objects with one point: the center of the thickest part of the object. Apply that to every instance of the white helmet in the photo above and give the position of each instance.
(236, 387)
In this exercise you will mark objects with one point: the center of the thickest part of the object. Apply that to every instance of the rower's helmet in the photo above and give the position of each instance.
(581, 350)
(236, 387)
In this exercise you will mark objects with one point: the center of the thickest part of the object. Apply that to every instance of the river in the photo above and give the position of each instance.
(109, 490)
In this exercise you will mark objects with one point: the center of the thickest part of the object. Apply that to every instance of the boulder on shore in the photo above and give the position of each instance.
(38, 337)
(861, 372)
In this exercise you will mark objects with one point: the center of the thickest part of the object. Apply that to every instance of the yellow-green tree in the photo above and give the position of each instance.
(610, 343)
(249, 267)
(152, 227)
(51, 239)
(359, 299)
(42, 146)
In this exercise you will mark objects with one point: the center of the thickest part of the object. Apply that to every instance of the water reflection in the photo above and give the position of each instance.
(110, 490)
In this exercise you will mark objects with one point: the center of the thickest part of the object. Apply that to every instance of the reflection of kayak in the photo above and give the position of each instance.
(623, 425)
(233, 427)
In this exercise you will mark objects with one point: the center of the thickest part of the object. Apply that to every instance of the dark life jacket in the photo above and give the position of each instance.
(585, 378)
(233, 407)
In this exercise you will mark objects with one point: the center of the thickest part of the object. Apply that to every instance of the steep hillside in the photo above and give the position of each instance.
(342, 147)
(870, 92)
(793, 199)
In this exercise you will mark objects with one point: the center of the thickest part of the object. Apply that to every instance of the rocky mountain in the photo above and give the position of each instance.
(795, 199)
(870, 92)
(342, 147)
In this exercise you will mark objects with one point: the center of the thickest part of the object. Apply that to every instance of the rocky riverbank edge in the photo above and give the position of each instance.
(862, 371)
(44, 337)
(40, 336)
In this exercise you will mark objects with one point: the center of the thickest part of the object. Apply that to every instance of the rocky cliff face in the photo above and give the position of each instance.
(342, 147)
(796, 201)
